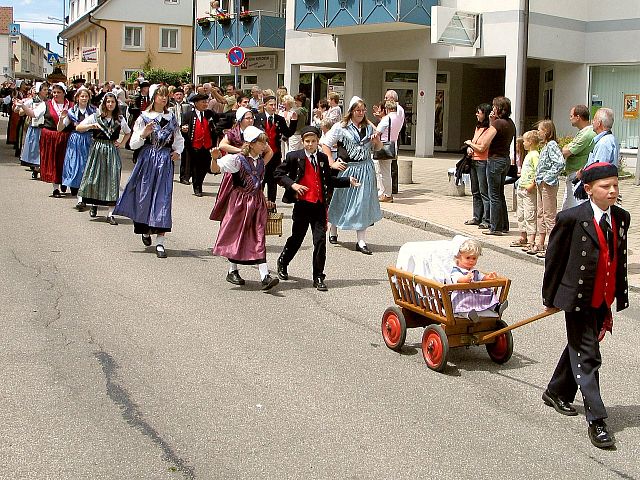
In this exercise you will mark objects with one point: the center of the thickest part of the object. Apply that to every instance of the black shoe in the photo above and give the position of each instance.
(146, 240)
(269, 282)
(63, 188)
(93, 211)
(282, 271)
(483, 226)
(560, 406)
(160, 252)
(333, 239)
(319, 284)
(473, 221)
(56, 194)
(600, 436)
(364, 249)
(235, 278)
(34, 175)
(81, 206)
(185, 182)
(111, 220)
(198, 194)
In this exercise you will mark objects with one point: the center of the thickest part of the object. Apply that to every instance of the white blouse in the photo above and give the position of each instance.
(137, 141)
(93, 118)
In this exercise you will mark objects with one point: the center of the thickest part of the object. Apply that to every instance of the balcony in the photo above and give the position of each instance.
(361, 16)
(257, 32)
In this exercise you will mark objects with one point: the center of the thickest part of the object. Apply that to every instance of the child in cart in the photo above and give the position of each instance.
(477, 302)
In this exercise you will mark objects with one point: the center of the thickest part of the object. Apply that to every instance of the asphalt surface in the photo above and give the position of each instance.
(118, 365)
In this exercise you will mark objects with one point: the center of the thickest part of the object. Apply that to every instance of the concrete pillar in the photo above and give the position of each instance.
(353, 84)
(424, 106)
(292, 77)
(514, 76)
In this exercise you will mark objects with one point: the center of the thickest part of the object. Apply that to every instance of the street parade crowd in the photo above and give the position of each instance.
(71, 136)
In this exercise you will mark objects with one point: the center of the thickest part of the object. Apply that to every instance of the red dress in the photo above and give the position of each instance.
(53, 144)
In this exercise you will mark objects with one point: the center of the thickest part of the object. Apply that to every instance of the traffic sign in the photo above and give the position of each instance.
(14, 29)
(53, 58)
(236, 56)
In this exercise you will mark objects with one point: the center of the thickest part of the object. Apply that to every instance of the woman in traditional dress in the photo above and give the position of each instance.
(147, 197)
(30, 155)
(354, 208)
(53, 144)
(17, 119)
(79, 143)
(241, 208)
(100, 183)
(233, 140)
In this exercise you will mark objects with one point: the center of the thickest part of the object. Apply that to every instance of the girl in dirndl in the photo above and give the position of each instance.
(79, 143)
(147, 197)
(100, 183)
(354, 208)
(241, 208)
(30, 155)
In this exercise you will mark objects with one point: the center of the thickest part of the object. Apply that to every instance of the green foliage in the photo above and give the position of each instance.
(157, 75)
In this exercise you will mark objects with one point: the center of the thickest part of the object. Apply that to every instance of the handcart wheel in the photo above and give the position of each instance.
(394, 328)
(501, 350)
(435, 347)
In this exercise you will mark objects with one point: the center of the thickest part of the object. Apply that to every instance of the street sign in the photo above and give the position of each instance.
(53, 58)
(14, 29)
(236, 56)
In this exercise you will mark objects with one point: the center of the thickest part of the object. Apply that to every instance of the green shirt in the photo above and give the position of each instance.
(580, 148)
(529, 167)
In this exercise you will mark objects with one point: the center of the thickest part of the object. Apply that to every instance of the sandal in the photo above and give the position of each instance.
(534, 250)
(541, 253)
(519, 243)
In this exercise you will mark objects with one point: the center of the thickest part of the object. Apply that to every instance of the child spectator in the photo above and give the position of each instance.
(526, 191)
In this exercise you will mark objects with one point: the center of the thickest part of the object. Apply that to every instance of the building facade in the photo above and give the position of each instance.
(7, 58)
(114, 39)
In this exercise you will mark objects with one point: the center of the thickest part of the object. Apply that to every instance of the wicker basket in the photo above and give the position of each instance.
(274, 223)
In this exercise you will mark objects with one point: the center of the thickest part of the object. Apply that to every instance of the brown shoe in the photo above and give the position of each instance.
(385, 199)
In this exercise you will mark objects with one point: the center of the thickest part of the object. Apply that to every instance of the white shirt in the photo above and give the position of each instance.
(397, 121)
(137, 141)
(230, 163)
(597, 213)
(93, 118)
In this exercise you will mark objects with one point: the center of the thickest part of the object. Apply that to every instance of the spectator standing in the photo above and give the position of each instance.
(388, 130)
(577, 151)
(479, 147)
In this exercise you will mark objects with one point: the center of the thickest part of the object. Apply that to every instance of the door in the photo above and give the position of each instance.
(407, 100)
(441, 112)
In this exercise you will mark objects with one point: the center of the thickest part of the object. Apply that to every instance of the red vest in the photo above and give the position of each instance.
(201, 136)
(271, 131)
(604, 289)
(311, 180)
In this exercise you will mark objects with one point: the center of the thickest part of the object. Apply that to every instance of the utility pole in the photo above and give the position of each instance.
(523, 48)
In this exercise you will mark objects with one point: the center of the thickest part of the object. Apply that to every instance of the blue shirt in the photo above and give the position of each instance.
(605, 149)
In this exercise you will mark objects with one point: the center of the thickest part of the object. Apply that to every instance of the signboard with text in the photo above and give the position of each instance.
(90, 54)
(260, 62)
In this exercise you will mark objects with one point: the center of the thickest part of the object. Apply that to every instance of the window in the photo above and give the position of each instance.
(133, 37)
(169, 39)
(128, 73)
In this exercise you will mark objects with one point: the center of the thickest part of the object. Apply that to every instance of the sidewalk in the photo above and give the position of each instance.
(425, 204)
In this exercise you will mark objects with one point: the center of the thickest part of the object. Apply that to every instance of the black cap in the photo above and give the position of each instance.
(144, 83)
(310, 129)
(593, 172)
(78, 80)
(198, 97)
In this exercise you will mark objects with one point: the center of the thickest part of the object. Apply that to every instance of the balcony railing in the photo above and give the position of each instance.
(259, 29)
(316, 15)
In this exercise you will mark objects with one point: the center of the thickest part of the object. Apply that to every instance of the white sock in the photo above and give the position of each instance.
(333, 231)
(264, 270)
(160, 240)
(232, 267)
(110, 213)
(79, 199)
(361, 234)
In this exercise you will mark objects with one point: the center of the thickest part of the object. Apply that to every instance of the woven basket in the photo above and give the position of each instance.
(274, 223)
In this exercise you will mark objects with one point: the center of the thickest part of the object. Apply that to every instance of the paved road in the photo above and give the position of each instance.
(118, 365)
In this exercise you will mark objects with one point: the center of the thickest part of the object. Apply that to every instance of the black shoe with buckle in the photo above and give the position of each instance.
(269, 282)
(235, 278)
(283, 274)
(146, 240)
(319, 284)
(160, 251)
(560, 406)
(93, 211)
(56, 194)
(364, 249)
(81, 206)
(111, 220)
(600, 436)
(333, 239)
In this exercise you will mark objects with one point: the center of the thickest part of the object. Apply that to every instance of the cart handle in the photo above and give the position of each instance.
(497, 333)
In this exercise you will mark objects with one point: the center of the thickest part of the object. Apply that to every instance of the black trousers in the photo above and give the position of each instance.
(269, 180)
(200, 163)
(185, 167)
(579, 363)
(307, 214)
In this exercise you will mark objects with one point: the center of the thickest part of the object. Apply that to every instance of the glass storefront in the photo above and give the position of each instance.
(618, 87)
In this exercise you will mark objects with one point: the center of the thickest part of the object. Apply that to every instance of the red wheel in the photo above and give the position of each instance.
(501, 350)
(394, 328)
(435, 347)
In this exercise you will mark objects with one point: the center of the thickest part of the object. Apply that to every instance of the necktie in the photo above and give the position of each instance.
(270, 121)
(608, 233)
(313, 161)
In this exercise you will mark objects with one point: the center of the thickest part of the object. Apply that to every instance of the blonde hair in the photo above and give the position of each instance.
(549, 130)
(288, 100)
(268, 93)
(470, 246)
(246, 146)
(533, 137)
(333, 96)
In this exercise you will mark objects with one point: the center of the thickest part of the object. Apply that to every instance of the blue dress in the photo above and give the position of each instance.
(30, 154)
(148, 194)
(75, 158)
(355, 208)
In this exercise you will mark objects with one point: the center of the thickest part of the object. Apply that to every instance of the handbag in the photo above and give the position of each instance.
(463, 166)
(388, 150)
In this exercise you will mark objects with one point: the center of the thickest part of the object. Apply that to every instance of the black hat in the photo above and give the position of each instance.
(595, 171)
(78, 80)
(178, 90)
(198, 97)
(309, 129)
(144, 83)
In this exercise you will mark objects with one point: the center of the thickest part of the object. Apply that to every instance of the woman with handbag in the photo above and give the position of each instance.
(388, 128)
(478, 148)
(355, 208)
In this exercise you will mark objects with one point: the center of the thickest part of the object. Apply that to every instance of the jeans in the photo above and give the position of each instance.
(480, 191)
(496, 174)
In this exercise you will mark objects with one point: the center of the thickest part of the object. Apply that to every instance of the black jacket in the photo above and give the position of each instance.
(282, 129)
(189, 119)
(291, 170)
(572, 259)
